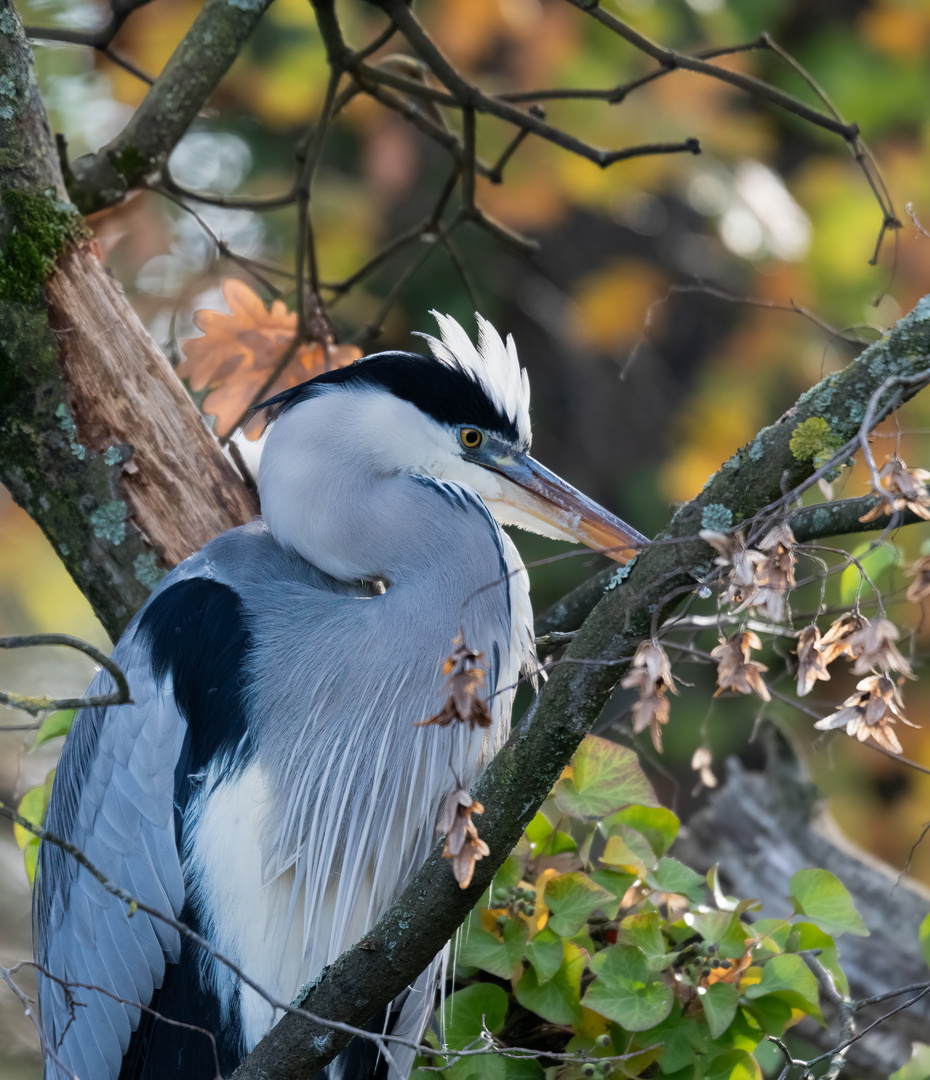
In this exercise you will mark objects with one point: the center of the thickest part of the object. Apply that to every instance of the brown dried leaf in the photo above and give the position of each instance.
(651, 674)
(239, 351)
(729, 971)
(873, 646)
(900, 488)
(870, 713)
(463, 844)
(464, 685)
(836, 641)
(735, 671)
(812, 664)
(920, 586)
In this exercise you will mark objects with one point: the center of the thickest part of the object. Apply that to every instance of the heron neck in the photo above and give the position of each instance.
(395, 528)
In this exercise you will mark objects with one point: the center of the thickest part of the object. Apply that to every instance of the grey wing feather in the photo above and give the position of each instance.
(114, 801)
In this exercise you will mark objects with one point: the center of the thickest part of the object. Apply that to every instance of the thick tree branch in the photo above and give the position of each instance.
(99, 441)
(177, 95)
(364, 979)
(809, 524)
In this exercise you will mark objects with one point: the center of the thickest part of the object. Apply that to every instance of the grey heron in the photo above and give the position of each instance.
(269, 785)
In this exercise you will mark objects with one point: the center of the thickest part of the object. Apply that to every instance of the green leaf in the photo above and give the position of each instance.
(825, 900)
(31, 858)
(32, 806)
(806, 937)
(627, 847)
(539, 828)
(656, 823)
(771, 1014)
(509, 874)
(643, 931)
(605, 778)
(734, 1065)
(526, 1069)
(874, 559)
(719, 1001)
(923, 936)
(626, 990)
(616, 882)
(545, 953)
(723, 929)
(570, 899)
(54, 727)
(483, 950)
(789, 977)
(558, 999)
(463, 1012)
(671, 876)
(918, 1068)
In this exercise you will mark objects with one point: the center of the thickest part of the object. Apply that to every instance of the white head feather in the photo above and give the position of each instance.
(493, 364)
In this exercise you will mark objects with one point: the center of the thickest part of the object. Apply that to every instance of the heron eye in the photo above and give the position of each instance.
(470, 438)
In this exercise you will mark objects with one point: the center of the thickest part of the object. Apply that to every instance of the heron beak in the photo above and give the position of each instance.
(542, 502)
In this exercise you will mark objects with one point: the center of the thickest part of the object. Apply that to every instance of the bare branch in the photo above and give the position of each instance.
(36, 705)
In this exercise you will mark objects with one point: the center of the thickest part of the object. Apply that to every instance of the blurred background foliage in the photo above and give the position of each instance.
(655, 319)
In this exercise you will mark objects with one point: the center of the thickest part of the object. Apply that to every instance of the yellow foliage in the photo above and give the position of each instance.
(611, 303)
(900, 31)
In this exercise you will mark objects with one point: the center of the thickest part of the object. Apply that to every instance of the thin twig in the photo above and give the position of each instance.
(36, 705)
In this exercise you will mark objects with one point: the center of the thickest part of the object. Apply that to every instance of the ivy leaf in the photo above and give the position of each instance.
(626, 990)
(825, 900)
(627, 847)
(671, 876)
(644, 932)
(720, 1002)
(557, 1000)
(656, 823)
(544, 952)
(734, 1065)
(483, 950)
(723, 929)
(604, 778)
(54, 727)
(789, 977)
(463, 1012)
(539, 828)
(615, 882)
(570, 899)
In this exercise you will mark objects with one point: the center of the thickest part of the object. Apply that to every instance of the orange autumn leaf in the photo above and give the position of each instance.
(239, 351)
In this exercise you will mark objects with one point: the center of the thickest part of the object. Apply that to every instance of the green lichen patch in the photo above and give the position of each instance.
(815, 441)
(109, 521)
(716, 517)
(34, 231)
(147, 570)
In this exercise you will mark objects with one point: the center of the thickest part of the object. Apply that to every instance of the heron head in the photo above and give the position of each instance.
(460, 415)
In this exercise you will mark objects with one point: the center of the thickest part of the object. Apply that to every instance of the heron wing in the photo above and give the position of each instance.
(113, 800)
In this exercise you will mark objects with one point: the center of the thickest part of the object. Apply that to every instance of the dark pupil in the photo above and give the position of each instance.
(471, 437)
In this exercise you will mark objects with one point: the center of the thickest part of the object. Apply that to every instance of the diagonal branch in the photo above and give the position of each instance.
(176, 97)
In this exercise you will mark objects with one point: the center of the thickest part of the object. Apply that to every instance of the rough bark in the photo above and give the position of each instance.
(98, 440)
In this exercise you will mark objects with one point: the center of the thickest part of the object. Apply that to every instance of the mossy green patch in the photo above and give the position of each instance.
(814, 440)
(35, 230)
